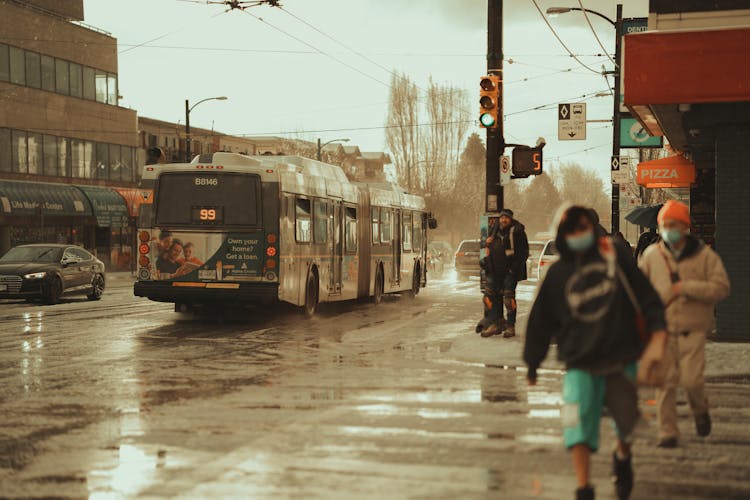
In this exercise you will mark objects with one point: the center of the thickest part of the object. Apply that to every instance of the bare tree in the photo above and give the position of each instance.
(402, 132)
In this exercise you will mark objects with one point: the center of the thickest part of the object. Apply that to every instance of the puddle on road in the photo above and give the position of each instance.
(393, 410)
(133, 472)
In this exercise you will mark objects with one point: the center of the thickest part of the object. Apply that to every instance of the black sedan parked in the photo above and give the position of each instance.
(47, 272)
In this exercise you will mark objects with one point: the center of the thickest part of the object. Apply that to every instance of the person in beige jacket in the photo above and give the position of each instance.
(690, 279)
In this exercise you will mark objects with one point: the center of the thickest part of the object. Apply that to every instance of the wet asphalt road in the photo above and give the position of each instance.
(124, 398)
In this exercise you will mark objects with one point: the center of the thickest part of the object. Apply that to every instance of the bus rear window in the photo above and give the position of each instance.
(208, 199)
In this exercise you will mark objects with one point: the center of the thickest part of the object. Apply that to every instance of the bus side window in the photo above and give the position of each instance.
(302, 221)
(417, 234)
(406, 232)
(351, 230)
(320, 228)
(385, 225)
(375, 225)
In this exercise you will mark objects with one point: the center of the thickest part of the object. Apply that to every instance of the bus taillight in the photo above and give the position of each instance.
(271, 239)
(144, 261)
(270, 264)
(144, 236)
(271, 251)
(143, 249)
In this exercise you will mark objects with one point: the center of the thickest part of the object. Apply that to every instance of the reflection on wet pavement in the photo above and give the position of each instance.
(127, 399)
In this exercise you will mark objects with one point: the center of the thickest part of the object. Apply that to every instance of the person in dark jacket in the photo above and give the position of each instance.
(505, 266)
(645, 240)
(583, 303)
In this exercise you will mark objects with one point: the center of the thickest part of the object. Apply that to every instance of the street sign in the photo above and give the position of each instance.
(633, 135)
(571, 121)
(620, 168)
(504, 170)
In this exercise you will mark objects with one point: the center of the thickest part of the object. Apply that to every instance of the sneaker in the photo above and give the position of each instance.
(510, 331)
(491, 330)
(703, 424)
(622, 472)
(586, 493)
(670, 442)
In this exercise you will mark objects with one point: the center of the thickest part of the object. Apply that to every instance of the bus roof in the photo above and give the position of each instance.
(296, 174)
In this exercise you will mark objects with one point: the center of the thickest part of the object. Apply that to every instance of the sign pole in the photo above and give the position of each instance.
(616, 118)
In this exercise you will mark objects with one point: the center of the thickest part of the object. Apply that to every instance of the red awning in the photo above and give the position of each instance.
(671, 172)
(687, 67)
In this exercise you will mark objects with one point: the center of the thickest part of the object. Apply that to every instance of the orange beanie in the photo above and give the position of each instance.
(674, 210)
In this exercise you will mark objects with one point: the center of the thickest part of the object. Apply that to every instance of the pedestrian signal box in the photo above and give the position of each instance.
(489, 101)
(527, 161)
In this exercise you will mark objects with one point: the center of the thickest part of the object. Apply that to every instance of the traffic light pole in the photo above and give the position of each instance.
(495, 139)
(616, 118)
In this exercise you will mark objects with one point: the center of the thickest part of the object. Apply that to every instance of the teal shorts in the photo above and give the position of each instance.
(584, 397)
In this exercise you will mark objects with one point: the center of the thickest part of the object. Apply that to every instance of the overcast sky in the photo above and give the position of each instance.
(278, 84)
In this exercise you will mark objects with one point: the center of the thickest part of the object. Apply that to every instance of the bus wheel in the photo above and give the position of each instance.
(311, 295)
(379, 286)
(415, 281)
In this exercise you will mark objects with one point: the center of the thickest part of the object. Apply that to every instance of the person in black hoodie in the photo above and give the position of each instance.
(585, 305)
(505, 266)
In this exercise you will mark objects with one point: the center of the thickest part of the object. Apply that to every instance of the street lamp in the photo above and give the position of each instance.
(617, 24)
(188, 109)
(321, 146)
(555, 11)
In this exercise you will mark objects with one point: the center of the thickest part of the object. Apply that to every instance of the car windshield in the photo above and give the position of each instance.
(32, 254)
(469, 246)
(551, 249)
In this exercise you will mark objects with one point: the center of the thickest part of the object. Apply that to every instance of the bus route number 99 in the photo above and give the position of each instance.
(207, 215)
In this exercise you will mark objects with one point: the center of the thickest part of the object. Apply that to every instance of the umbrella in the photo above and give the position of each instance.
(644, 215)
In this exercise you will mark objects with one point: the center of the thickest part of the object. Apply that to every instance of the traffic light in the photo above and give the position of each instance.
(489, 101)
(527, 161)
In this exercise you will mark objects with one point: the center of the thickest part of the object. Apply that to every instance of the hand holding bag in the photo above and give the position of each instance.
(652, 370)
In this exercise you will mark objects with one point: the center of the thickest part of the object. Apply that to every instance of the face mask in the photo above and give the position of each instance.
(581, 242)
(671, 236)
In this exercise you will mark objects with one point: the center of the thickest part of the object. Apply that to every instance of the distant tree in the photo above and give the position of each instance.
(581, 186)
(540, 201)
(402, 132)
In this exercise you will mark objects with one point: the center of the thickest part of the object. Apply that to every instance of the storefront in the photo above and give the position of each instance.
(33, 212)
(686, 81)
(110, 238)
(97, 218)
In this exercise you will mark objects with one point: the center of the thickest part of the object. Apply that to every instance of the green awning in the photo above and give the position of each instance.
(109, 207)
(36, 198)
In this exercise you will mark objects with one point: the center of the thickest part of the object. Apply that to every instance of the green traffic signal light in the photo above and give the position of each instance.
(487, 120)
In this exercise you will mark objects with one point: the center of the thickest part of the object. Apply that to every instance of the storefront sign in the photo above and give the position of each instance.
(634, 135)
(671, 172)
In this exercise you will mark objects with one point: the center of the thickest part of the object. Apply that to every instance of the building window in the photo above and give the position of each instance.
(4, 63)
(17, 66)
(48, 73)
(101, 86)
(82, 156)
(89, 83)
(102, 161)
(64, 155)
(111, 89)
(50, 156)
(114, 171)
(20, 158)
(36, 153)
(350, 229)
(62, 77)
(302, 221)
(126, 162)
(76, 80)
(5, 154)
(33, 70)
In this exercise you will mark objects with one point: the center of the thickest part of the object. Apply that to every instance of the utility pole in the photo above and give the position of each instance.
(616, 118)
(187, 131)
(495, 139)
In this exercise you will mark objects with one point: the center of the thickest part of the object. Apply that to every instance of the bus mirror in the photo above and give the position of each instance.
(432, 222)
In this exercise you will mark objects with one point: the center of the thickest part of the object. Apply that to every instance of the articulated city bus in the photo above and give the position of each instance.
(237, 230)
